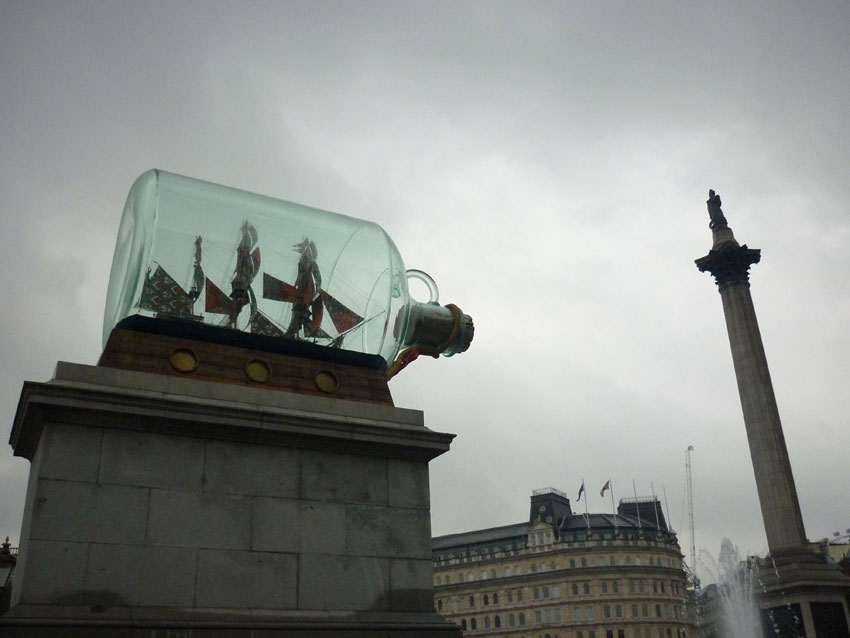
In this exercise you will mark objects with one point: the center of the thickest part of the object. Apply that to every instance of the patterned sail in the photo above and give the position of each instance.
(161, 293)
(216, 300)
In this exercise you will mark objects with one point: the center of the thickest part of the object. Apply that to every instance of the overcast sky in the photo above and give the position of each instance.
(546, 162)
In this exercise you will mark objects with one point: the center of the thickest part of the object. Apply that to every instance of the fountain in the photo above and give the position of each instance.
(735, 590)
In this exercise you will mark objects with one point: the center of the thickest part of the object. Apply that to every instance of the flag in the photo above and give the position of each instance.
(580, 492)
(605, 487)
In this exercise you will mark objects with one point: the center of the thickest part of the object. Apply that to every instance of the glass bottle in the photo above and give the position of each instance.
(193, 251)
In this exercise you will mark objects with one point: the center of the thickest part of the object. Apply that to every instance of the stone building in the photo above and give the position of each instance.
(566, 575)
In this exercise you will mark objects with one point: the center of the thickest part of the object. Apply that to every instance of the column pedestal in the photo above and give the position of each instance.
(164, 505)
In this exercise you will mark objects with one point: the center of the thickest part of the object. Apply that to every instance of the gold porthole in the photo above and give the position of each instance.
(326, 381)
(183, 360)
(258, 371)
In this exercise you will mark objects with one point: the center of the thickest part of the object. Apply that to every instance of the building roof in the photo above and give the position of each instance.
(635, 518)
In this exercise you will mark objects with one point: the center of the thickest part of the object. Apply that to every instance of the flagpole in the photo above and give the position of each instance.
(667, 507)
(637, 506)
(654, 506)
(613, 508)
(586, 514)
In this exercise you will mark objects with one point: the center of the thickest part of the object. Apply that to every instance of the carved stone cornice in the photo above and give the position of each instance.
(729, 264)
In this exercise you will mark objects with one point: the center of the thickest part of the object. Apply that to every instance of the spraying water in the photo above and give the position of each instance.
(737, 584)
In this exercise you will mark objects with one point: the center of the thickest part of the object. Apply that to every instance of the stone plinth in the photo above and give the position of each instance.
(158, 504)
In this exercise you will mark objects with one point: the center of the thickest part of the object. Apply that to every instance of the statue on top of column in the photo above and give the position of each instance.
(714, 210)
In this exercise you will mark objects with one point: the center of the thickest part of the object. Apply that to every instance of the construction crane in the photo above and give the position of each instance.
(689, 488)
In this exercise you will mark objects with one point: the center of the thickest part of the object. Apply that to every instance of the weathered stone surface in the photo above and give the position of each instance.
(58, 572)
(411, 586)
(386, 531)
(71, 453)
(259, 580)
(141, 575)
(281, 525)
(343, 478)
(89, 512)
(408, 485)
(251, 469)
(191, 519)
(153, 460)
(334, 582)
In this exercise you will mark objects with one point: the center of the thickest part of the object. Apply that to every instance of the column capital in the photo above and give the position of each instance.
(729, 264)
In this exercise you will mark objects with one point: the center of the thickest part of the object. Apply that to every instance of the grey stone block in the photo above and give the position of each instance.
(242, 468)
(343, 583)
(408, 484)
(304, 527)
(154, 460)
(141, 575)
(53, 572)
(69, 452)
(89, 512)
(411, 585)
(384, 531)
(183, 519)
(343, 478)
(259, 580)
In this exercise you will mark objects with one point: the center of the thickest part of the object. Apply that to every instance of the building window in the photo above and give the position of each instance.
(497, 622)
(438, 581)
(579, 634)
(519, 596)
(535, 593)
(621, 633)
(606, 613)
(534, 569)
(486, 622)
(510, 596)
(472, 601)
(618, 611)
(634, 611)
(469, 577)
(616, 587)
(609, 633)
(473, 624)
(577, 615)
(439, 605)
(460, 577)
(641, 586)
(448, 579)
(537, 618)
(644, 610)
(508, 572)
(572, 562)
(545, 591)
(658, 611)
(583, 562)
(586, 588)
(588, 612)
(555, 591)
(511, 620)
(604, 587)
(521, 618)
(495, 598)
(486, 599)
(483, 574)
(463, 624)
(575, 589)
(492, 573)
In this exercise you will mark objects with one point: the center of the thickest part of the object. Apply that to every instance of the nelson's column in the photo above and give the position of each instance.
(802, 594)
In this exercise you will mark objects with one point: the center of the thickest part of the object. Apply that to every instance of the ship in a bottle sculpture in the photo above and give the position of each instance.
(202, 262)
